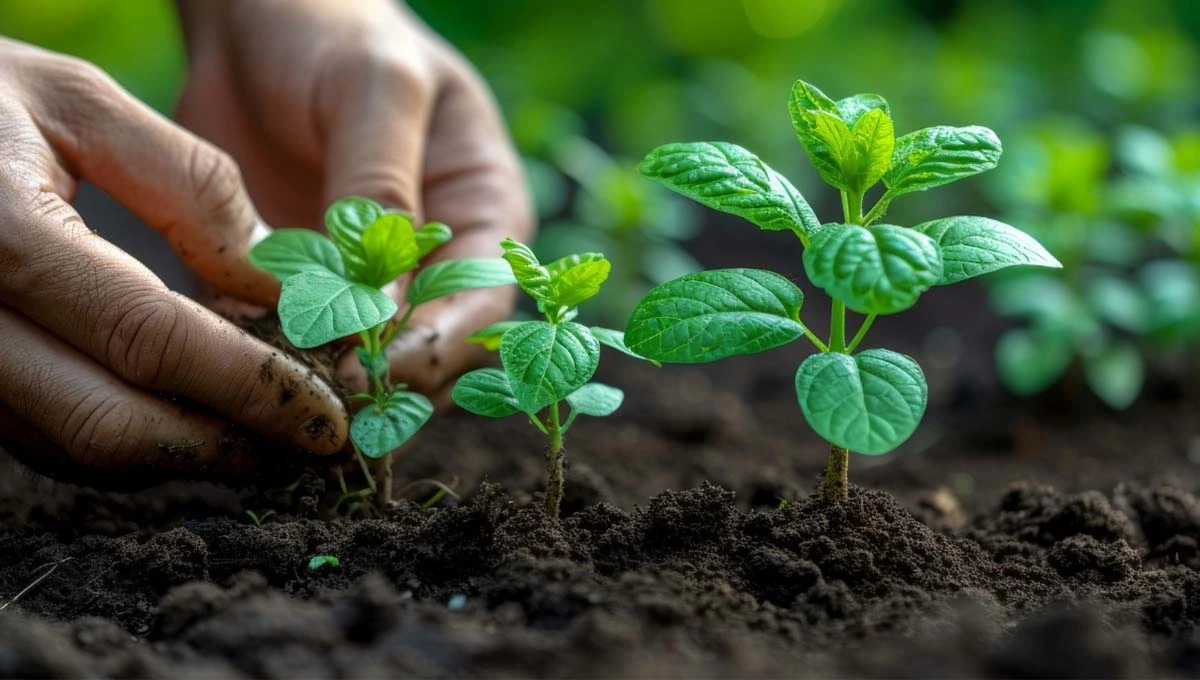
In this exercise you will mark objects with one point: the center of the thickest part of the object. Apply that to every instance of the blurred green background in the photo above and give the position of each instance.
(1096, 101)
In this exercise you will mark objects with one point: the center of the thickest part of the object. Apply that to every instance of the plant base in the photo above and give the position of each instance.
(381, 472)
(555, 460)
(836, 486)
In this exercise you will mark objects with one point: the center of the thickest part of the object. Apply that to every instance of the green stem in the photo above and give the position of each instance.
(812, 337)
(877, 210)
(854, 211)
(837, 327)
(362, 463)
(555, 456)
(836, 486)
(862, 333)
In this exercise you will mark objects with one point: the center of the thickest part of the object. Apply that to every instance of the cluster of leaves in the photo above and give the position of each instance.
(869, 401)
(1124, 216)
(549, 361)
(332, 289)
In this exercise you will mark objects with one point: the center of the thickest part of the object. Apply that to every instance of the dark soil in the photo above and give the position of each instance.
(690, 545)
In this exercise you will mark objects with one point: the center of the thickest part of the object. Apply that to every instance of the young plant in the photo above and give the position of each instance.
(869, 401)
(319, 562)
(259, 518)
(332, 289)
(546, 362)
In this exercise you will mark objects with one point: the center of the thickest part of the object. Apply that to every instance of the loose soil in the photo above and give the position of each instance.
(1007, 538)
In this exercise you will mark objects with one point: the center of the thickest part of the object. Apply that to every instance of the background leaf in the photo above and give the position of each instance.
(972, 246)
(596, 399)
(546, 362)
(715, 314)
(881, 269)
(318, 307)
(1028, 362)
(290, 251)
(1116, 374)
(868, 403)
(485, 392)
(453, 276)
(379, 429)
(489, 336)
(939, 155)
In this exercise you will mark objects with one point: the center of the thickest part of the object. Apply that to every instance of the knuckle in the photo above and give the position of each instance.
(101, 430)
(402, 73)
(146, 340)
(390, 185)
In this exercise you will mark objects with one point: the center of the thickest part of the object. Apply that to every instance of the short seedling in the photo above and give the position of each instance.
(319, 562)
(332, 289)
(259, 518)
(870, 401)
(546, 362)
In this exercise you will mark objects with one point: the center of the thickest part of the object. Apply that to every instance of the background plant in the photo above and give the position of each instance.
(332, 289)
(870, 401)
(546, 362)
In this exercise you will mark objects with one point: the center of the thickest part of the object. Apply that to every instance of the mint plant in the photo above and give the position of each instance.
(332, 289)
(867, 401)
(546, 362)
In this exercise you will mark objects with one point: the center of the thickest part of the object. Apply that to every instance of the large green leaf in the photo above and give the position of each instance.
(1028, 362)
(853, 108)
(317, 307)
(546, 362)
(379, 429)
(346, 219)
(972, 246)
(290, 251)
(1116, 374)
(881, 269)
(485, 392)
(454, 276)
(715, 314)
(939, 155)
(533, 278)
(869, 403)
(728, 178)
(596, 399)
(616, 340)
(389, 248)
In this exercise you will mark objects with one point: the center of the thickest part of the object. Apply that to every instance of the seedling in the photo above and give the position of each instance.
(546, 362)
(319, 562)
(258, 518)
(869, 401)
(332, 289)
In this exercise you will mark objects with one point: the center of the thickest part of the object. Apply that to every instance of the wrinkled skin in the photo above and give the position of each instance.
(108, 377)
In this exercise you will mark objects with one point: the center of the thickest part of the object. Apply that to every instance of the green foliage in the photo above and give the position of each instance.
(381, 427)
(870, 401)
(317, 307)
(319, 562)
(547, 361)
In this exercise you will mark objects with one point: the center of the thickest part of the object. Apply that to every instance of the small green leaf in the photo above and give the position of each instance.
(379, 429)
(489, 336)
(1028, 362)
(546, 362)
(533, 278)
(829, 144)
(972, 246)
(596, 399)
(715, 314)
(454, 276)
(870, 150)
(1173, 294)
(853, 108)
(485, 392)
(346, 220)
(389, 247)
(321, 561)
(430, 236)
(935, 156)
(291, 251)
(317, 307)
(577, 278)
(616, 340)
(881, 269)
(728, 178)
(868, 403)
(1119, 302)
(1116, 374)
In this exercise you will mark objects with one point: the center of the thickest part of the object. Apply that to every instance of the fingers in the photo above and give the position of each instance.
(91, 294)
(183, 187)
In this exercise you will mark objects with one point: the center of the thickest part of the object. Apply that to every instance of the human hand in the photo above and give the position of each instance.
(103, 367)
(321, 100)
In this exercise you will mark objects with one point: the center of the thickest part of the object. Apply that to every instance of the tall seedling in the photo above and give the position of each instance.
(869, 401)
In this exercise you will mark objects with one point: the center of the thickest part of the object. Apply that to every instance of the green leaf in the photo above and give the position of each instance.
(822, 131)
(596, 399)
(853, 108)
(935, 156)
(379, 429)
(389, 249)
(972, 246)
(318, 307)
(881, 269)
(715, 314)
(1119, 302)
(870, 152)
(728, 178)
(321, 561)
(454, 276)
(533, 278)
(1028, 362)
(291, 251)
(489, 336)
(577, 278)
(546, 362)
(616, 340)
(430, 236)
(1173, 294)
(868, 403)
(1116, 374)
(346, 220)
(485, 392)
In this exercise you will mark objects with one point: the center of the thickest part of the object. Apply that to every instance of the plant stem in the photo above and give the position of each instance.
(837, 475)
(862, 333)
(837, 327)
(362, 463)
(877, 210)
(555, 456)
